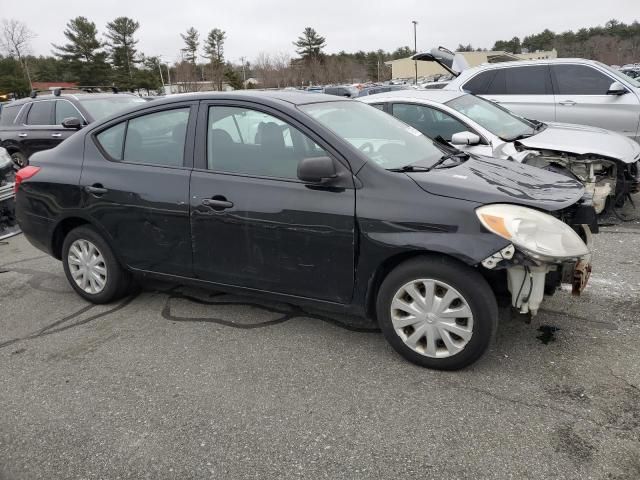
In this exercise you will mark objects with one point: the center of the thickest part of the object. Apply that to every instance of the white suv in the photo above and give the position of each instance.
(560, 90)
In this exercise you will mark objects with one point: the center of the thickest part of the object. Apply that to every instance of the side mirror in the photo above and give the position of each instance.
(465, 138)
(316, 169)
(616, 88)
(72, 122)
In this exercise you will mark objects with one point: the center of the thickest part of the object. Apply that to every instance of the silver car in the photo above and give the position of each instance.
(604, 161)
(563, 90)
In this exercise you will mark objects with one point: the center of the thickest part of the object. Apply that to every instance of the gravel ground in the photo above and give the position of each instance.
(182, 383)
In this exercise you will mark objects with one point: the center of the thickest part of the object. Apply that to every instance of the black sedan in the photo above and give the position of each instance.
(308, 199)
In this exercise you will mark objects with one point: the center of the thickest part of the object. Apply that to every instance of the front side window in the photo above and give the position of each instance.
(580, 80)
(241, 140)
(65, 109)
(530, 80)
(382, 138)
(40, 113)
(492, 117)
(156, 138)
(430, 121)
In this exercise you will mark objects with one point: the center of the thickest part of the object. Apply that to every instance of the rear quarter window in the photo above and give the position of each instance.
(8, 114)
(478, 84)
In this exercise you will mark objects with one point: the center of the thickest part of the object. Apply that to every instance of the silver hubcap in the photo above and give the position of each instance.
(432, 318)
(87, 266)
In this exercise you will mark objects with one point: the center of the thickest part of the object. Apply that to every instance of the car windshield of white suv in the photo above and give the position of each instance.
(494, 118)
(633, 81)
(101, 107)
(382, 138)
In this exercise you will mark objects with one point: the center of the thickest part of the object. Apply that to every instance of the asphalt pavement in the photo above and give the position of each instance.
(181, 383)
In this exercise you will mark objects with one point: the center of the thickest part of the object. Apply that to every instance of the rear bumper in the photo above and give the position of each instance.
(36, 229)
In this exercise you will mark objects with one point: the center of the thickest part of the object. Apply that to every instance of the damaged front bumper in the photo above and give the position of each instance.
(529, 279)
(8, 223)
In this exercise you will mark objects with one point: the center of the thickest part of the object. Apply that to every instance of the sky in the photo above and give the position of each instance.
(255, 26)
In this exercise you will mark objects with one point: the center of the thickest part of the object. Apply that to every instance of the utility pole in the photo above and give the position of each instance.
(160, 70)
(415, 47)
(378, 69)
(244, 73)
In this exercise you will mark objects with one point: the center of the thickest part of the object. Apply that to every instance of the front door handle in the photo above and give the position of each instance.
(217, 203)
(96, 189)
(56, 135)
(22, 135)
(568, 103)
(493, 100)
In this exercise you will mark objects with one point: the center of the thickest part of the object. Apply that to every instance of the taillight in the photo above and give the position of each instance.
(24, 174)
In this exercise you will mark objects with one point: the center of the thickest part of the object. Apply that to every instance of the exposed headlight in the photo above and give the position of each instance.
(537, 234)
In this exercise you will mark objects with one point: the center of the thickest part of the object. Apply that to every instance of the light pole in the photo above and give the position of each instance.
(244, 74)
(415, 47)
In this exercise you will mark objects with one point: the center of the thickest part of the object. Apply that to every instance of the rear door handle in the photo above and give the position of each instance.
(22, 135)
(96, 189)
(568, 103)
(217, 203)
(56, 135)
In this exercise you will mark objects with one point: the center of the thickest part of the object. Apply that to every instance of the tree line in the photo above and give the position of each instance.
(88, 57)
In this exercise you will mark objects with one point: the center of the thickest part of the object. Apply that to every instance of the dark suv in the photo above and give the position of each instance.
(42, 122)
(308, 199)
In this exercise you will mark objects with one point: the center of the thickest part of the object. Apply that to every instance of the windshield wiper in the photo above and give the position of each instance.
(460, 156)
(409, 168)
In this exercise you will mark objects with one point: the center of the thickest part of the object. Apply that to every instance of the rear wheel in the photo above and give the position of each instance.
(437, 313)
(91, 267)
(19, 159)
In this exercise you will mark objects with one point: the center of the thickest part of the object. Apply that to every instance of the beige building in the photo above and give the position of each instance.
(405, 67)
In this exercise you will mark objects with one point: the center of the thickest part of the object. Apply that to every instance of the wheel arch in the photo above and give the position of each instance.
(66, 225)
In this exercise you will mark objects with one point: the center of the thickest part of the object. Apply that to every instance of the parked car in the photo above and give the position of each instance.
(348, 91)
(309, 199)
(8, 222)
(563, 90)
(43, 121)
(607, 163)
(381, 89)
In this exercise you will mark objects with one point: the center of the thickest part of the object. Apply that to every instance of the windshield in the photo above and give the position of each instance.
(494, 118)
(380, 137)
(101, 107)
(634, 82)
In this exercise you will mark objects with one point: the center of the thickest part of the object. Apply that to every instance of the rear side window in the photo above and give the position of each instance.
(156, 138)
(111, 140)
(40, 113)
(478, 84)
(9, 114)
(531, 80)
(580, 80)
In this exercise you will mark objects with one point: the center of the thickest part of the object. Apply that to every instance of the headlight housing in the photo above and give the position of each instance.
(538, 234)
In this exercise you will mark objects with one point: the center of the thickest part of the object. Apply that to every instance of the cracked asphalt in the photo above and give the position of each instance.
(182, 383)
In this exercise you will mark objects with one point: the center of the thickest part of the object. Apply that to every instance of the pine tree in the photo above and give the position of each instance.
(310, 44)
(84, 53)
(191, 41)
(122, 49)
(214, 51)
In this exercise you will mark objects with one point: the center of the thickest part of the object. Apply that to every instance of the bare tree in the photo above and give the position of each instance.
(16, 41)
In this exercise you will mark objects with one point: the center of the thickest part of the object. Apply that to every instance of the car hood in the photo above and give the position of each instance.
(490, 180)
(584, 140)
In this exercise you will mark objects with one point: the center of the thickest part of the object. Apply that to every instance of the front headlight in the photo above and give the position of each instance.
(538, 234)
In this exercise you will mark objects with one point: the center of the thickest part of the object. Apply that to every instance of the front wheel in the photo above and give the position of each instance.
(91, 267)
(437, 313)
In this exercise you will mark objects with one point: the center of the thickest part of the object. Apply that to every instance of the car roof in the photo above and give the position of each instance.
(438, 96)
(522, 63)
(300, 97)
(75, 96)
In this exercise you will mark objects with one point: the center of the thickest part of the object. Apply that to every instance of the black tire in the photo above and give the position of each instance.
(19, 159)
(118, 280)
(469, 284)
